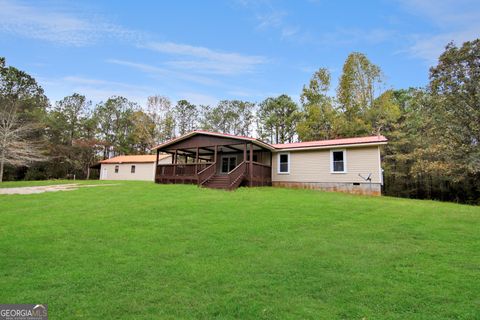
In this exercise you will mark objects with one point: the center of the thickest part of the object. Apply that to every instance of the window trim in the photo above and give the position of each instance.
(288, 163)
(344, 160)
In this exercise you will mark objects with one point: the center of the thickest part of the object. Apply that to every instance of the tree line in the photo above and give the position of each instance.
(434, 132)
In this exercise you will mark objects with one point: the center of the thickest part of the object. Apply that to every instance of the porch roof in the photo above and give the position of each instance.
(241, 139)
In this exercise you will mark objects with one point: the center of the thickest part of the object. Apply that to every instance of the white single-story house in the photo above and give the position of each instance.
(135, 167)
(227, 161)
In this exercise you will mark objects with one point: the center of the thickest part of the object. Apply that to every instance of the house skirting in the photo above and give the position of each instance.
(373, 189)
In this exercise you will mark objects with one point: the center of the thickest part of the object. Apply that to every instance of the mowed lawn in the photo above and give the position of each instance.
(137, 250)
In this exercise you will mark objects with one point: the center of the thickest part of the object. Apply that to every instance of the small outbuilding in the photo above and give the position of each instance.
(135, 167)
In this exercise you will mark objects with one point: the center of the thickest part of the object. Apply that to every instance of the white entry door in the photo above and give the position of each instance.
(104, 174)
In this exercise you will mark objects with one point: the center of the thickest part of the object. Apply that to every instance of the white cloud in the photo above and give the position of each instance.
(73, 28)
(205, 60)
(442, 12)
(56, 23)
(164, 74)
(429, 47)
(191, 94)
(270, 17)
(455, 20)
(59, 26)
(94, 89)
(63, 26)
(140, 66)
(290, 31)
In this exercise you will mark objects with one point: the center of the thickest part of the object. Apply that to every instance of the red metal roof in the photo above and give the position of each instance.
(135, 159)
(333, 142)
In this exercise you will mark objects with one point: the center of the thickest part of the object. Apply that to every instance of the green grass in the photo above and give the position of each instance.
(145, 251)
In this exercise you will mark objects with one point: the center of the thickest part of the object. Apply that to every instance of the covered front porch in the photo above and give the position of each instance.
(215, 160)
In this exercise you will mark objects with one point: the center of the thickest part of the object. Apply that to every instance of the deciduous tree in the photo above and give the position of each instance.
(358, 87)
(115, 124)
(228, 116)
(319, 118)
(186, 116)
(160, 110)
(22, 105)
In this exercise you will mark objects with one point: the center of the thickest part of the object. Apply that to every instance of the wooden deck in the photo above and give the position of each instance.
(215, 161)
(205, 175)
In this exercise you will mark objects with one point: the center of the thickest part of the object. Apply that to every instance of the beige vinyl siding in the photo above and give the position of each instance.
(315, 166)
(143, 171)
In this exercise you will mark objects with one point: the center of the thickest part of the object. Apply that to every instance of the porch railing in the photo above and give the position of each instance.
(180, 170)
(262, 170)
(200, 173)
(261, 173)
(236, 176)
(206, 173)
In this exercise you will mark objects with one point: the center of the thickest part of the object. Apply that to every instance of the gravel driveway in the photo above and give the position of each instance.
(52, 188)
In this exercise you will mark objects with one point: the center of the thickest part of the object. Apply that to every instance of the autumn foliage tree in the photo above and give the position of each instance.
(319, 119)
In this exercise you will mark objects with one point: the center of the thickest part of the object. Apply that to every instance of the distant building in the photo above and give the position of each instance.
(137, 167)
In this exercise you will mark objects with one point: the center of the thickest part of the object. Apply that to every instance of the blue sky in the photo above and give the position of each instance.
(205, 51)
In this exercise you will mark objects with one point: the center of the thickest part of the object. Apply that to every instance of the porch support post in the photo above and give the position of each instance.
(156, 166)
(251, 165)
(245, 152)
(196, 161)
(175, 163)
(215, 158)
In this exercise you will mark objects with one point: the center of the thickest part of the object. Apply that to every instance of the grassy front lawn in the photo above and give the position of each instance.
(143, 251)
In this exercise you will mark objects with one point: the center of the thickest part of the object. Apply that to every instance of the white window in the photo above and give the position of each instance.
(132, 169)
(116, 169)
(338, 161)
(284, 163)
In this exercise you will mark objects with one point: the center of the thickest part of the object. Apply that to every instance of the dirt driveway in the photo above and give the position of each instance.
(52, 188)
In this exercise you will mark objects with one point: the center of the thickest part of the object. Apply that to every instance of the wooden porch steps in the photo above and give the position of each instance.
(217, 182)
